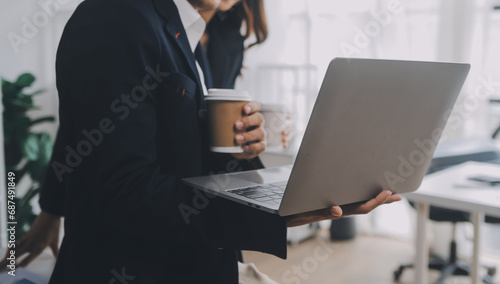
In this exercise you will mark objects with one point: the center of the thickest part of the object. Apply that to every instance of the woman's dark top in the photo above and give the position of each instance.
(225, 47)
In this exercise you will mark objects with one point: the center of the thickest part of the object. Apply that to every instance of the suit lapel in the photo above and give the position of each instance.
(202, 59)
(175, 30)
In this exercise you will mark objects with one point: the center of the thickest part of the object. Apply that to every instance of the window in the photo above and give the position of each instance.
(306, 35)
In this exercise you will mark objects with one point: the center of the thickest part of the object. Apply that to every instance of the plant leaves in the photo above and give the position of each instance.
(36, 93)
(45, 146)
(38, 147)
(16, 128)
(39, 155)
(9, 90)
(18, 104)
(25, 80)
(31, 147)
(15, 133)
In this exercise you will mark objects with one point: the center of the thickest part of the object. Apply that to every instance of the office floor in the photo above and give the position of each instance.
(365, 259)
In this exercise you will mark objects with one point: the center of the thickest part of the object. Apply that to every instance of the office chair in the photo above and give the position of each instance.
(446, 155)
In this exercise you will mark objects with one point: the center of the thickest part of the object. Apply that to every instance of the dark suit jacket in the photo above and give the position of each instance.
(129, 132)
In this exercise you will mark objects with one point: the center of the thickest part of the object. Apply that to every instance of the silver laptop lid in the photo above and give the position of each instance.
(374, 126)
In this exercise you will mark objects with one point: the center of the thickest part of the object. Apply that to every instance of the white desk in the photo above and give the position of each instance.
(450, 189)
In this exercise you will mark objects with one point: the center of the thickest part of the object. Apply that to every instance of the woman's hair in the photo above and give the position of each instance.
(254, 17)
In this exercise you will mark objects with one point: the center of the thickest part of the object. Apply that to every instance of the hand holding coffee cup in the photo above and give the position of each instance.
(236, 126)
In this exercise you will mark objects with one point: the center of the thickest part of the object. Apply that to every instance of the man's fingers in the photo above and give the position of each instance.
(21, 247)
(367, 207)
(255, 148)
(255, 119)
(330, 213)
(251, 107)
(375, 202)
(257, 134)
(4, 261)
(29, 259)
(55, 249)
(336, 211)
(393, 198)
(324, 214)
(251, 150)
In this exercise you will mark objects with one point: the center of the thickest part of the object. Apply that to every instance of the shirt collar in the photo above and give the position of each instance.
(192, 21)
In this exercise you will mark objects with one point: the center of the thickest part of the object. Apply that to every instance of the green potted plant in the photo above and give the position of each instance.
(26, 152)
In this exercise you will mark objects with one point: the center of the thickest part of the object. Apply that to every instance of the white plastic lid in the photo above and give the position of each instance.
(227, 95)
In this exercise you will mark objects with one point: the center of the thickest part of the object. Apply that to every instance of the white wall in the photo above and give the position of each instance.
(29, 33)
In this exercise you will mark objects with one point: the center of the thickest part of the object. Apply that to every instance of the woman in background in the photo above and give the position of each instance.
(225, 38)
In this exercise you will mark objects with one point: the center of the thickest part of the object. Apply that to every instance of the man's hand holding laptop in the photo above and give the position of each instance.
(336, 212)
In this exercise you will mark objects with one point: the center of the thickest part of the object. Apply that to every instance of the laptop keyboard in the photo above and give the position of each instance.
(269, 193)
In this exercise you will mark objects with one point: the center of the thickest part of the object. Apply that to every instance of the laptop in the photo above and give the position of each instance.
(374, 126)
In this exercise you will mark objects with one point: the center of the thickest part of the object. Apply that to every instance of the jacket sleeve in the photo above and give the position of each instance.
(236, 226)
(52, 191)
(228, 164)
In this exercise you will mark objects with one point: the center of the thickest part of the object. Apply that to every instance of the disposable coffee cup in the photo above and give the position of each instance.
(275, 116)
(224, 108)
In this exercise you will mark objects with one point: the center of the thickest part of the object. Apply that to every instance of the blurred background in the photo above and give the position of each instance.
(304, 35)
